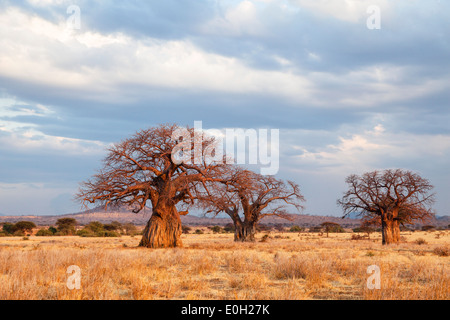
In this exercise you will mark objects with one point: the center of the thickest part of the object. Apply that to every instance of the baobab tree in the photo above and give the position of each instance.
(147, 168)
(247, 197)
(392, 197)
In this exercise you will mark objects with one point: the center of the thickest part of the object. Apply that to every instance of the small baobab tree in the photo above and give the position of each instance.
(392, 197)
(247, 197)
(162, 165)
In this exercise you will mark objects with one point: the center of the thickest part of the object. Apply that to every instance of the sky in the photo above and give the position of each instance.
(353, 86)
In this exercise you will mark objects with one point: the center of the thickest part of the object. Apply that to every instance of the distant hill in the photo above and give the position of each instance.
(124, 215)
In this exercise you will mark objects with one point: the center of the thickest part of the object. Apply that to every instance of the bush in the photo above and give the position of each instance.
(216, 229)
(186, 229)
(296, 229)
(44, 233)
(8, 228)
(229, 227)
(315, 229)
(113, 226)
(357, 237)
(442, 251)
(18, 233)
(130, 229)
(198, 231)
(428, 228)
(19, 228)
(53, 230)
(279, 227)
(85, 233)
(421, 241)
(94, 226)
(107, 234)
(3, 234)
(263, 228)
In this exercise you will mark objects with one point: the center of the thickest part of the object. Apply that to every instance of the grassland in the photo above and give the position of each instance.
(212, 266)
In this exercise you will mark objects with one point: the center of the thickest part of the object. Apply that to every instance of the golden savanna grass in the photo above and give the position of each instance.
(286, 266)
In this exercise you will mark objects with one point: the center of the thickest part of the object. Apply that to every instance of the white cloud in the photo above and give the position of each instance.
(372, 149)
(37, 51)
(373, 86)
(346, 10)
(32, 141)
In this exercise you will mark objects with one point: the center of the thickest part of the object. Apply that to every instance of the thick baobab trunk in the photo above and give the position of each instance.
(396, 231)
(244, 231)
(163, 230)
(390, 231)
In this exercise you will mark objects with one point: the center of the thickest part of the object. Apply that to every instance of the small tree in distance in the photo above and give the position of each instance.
(66, 226)
(24, 226)
(331, 227)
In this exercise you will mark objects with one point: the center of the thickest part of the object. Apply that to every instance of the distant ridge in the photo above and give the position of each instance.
(125, 214)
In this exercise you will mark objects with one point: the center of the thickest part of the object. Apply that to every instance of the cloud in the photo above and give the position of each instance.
(346, 10)
(346, 98)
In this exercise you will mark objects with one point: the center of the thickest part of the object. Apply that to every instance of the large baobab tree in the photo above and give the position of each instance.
(152, 167)
(392, 197)
(247, 197)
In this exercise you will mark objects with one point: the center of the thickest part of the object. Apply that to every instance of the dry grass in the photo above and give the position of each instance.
(291, 266)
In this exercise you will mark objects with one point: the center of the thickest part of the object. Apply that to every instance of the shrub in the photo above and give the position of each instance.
(186, 229)
(107, 234)
(279, 227)
(370, 254)
(428, 228)
(296, 229)
(421, 241)
(263, 227)
(113, 226)
(94, 226)
(44, 233)
(18, 233)
(8, 228)
(229, 227)
(53, 230)
(315, 229)
(357, 237)
(216, 229)
(199, 231)
(441, 251)
(130, 229)
(85, 233)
